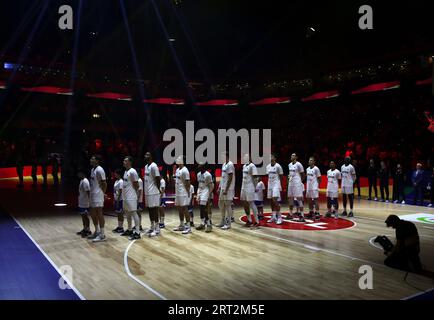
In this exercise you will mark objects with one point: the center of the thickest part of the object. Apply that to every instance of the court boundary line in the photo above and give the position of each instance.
(127, 269)
(77, 292)
(418, 294)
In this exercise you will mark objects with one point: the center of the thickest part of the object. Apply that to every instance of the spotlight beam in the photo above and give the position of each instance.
(173, 51)
(187, 32)
(148, 123)
(25, 51)
(24, 22)
(71, 103)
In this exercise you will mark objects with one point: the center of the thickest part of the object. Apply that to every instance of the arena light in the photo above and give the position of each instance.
(322, 95)
(171, 101)
(218, 102)
(8, 66)
(60, 204)
(49, 90)
(378, 87)
(111, 96)
(268, 101)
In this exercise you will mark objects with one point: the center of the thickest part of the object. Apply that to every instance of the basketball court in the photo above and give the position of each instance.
(311, 260)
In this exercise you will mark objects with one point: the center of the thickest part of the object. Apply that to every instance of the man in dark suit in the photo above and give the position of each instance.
(398, 185)
(372, 179)
(417, 180)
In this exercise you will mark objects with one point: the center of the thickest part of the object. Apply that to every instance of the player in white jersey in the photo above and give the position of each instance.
(98, 187)
(295, 187)
(152, 193)
(162, 203)
(182, 195)
(275, 174)
(84, 203)
(117, 198)
(333, 177)
(130, 196)
(259, 197)
(313, 180)
(247, 194)
(204, 192)
(226, 191)
(348, 173)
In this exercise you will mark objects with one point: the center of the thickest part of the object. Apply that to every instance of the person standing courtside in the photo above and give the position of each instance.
(417, 180)
(204, 192)
(152, 193)
(247, 194)
(348, 177)
(372, 179)
(431, 189)
(295, 187)
(182, 195)
(117, 201)
(275, 174)
(98, 187)
(333, 177)
(84, 203)
(313, 181)
(130, 196)
(226, 191)
(398, 185)
(383, 174)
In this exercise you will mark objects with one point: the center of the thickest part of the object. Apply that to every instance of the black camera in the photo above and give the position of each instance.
(385, 243)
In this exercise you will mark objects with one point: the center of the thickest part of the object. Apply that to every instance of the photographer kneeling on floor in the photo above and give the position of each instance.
(404, 254)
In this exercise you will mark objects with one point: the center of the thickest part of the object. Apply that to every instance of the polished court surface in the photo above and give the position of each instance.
(295, 261)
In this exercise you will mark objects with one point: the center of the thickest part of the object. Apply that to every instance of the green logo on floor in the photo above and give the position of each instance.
(419, 217)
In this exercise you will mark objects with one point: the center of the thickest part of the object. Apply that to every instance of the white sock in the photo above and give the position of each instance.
(97, 230)
(249, 217)
(273, 216)
(102, 232)
(136, 221)
(255, 211)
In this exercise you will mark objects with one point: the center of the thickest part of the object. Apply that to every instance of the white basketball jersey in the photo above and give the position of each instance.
(274, 173)
(312, 178)
(249, 171)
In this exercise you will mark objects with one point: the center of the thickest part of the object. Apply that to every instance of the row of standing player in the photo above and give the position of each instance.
(251, 190)
(129, 190)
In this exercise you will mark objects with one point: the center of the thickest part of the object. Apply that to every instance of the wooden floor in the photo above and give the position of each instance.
(237, 264)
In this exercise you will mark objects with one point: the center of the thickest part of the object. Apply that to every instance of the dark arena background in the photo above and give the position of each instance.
(331, 80)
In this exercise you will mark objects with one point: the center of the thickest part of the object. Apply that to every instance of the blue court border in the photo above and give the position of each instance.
(26, 272)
